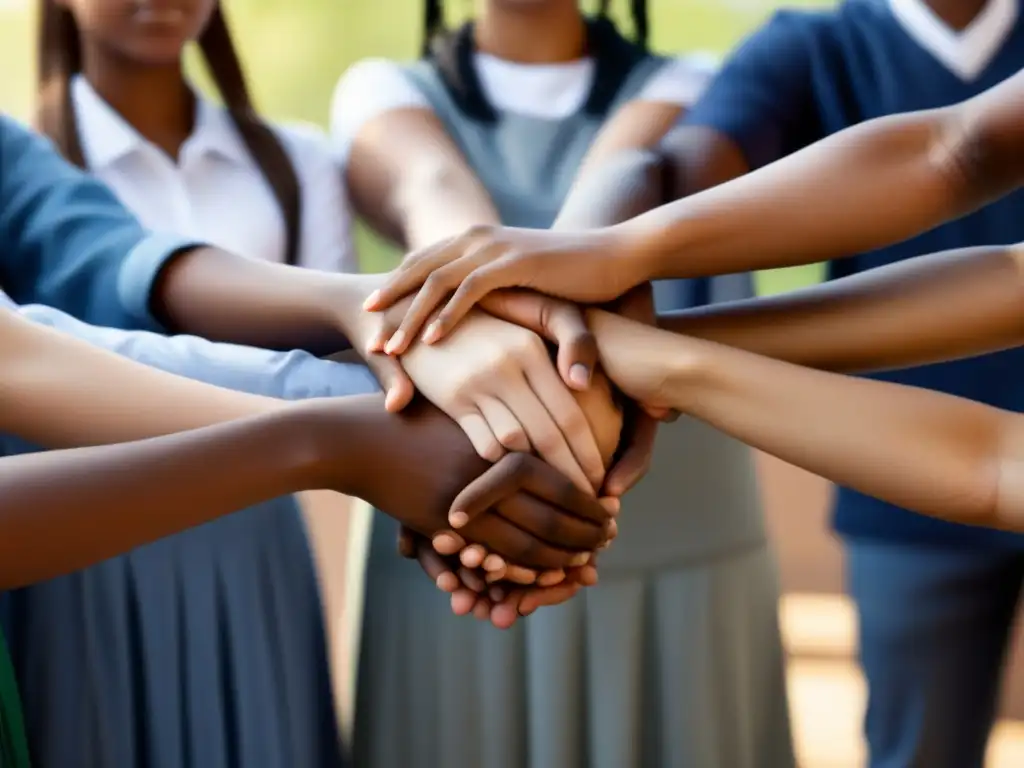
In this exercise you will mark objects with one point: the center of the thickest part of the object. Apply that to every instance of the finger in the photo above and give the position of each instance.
(550, 526)
(393, 380)
(437, 569)
(570, 420)
(635, 459)
(493, 564)
(517, 471)
(558, 321)
(410, 274)
(516, 574)
(506, 613)
(550, 578)
(480, 435)
(472, 580)
(493, 577)
(407, 542)
(501, 270)
(463, 601)
(544, 437)
(482, 609)
(587, 576)
(435, 289)
(577, 348)
(448, 543)
(539, 598)
(517, 546)
(473, 556)
(503, 424)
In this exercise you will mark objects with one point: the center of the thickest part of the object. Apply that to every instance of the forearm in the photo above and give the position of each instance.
(625, 185)
(826, 201)
(218, 295)
(65, 510)
(924, 310)
(929, 452)
(59, 392)
(433, 204)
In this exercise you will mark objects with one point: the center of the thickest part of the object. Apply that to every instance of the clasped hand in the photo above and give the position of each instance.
(495, 378)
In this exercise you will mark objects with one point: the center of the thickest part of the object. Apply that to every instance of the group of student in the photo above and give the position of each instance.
(522, 151)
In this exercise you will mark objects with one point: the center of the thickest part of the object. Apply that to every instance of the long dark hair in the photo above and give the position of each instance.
(433, 21)
(60, 57)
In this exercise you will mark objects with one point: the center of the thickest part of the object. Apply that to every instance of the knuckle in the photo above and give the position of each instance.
(478, 231)
(492, 450)
(547, 443)
(519, 466)
(514, 439)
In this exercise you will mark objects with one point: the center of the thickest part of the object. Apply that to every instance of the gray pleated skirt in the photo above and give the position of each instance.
(203, 650)
(673, 661)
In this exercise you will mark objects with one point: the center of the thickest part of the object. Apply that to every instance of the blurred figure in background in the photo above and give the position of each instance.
(675, 660)
(936, 601)
(206, 648)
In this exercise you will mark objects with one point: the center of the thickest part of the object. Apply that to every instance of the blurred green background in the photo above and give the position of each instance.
(294, 51)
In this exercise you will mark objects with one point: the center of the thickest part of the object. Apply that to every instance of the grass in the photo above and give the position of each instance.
(294, 52)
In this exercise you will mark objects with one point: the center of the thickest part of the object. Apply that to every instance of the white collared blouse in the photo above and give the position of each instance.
(215, 191)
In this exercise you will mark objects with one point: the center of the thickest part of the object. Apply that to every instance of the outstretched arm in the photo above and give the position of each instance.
(924, 310)
(59, 392)
(930, 452)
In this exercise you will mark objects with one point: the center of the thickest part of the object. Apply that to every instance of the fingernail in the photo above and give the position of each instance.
(432, 333)
(394, 343)
(389, 399)
(493, 563)
(611, 504)
(581, 559)
(579, 375)
(371, 300)
(458, 519)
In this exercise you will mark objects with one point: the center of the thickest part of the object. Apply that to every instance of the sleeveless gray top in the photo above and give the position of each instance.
(700, 498)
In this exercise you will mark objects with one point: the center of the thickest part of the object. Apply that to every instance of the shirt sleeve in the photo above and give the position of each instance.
(762, 99)
(681, 80)
(327, 237)
(65, 239)
(289, 375)
(367, 89)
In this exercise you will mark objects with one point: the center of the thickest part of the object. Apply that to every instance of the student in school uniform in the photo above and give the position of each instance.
(936, 601)
(113, 99)
(65, 510)
(493, 125)
(262, 688)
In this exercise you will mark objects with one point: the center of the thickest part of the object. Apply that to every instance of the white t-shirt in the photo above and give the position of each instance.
(550, 91)
(215, 192)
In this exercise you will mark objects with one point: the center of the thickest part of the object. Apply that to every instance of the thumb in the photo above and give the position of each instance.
(635, 459)
(560, 322)
(393, 379)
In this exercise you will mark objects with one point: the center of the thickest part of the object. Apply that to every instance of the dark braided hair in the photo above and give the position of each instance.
(433, 21)
(641, 25)
(60, 58)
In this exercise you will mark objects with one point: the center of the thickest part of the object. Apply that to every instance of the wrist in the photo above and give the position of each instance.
(688, 376)
(331, 441)
(651, 246)
(342, 299)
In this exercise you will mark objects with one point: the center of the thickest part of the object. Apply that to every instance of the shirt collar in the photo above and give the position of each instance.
(107, 137)
(965, 52)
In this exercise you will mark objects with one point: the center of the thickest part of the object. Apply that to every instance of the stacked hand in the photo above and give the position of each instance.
(494, 377)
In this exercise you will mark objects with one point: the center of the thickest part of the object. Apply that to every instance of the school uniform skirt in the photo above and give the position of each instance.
(673, 661)
(205, 649)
